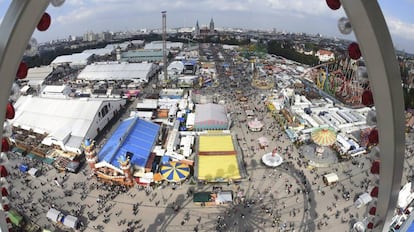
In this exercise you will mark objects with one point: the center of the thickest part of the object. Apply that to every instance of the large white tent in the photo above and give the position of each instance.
(405, 197)
(99, 51)
(36, 75)
(210, 117)
(66, 121)
(105, 71)
(169, 45)
(76, 59)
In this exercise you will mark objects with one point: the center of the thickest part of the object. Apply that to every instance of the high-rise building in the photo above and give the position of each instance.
(105, 36)
(89, 36)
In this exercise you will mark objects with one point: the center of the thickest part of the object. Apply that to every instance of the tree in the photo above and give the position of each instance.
(283, 49)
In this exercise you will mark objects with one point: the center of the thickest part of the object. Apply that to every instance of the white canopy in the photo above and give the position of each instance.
(363, 199)
(359, 227)
(224, 197)
(272, 160)
(117, 71)
(70, 221)
(176, 65)
(73, 59)
(33, 172)
(405, 197)
(208, 115)
(53, 214)
(330, 178)
(37, 75)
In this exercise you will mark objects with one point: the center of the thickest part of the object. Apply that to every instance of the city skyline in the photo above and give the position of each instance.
(76, 17)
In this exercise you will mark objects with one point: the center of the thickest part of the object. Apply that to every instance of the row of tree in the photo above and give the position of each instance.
(280, 48)
(408, 97)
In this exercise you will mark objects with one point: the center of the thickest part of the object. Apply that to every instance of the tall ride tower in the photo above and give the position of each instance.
(164, 44)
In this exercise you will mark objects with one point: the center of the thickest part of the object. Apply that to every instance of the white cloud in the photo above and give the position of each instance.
(74, 3)
(400, 28)
(75, 16)
(86, 13)
(110, 1)
(229, 5)
(311, 16)
(307, 7)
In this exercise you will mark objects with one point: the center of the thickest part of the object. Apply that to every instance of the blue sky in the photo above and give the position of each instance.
(76, 17)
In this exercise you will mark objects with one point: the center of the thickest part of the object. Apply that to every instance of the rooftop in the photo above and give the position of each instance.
(116, 71)
(133, 135)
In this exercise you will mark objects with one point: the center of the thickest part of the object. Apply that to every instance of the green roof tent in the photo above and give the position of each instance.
(15, 217)
(201, 197)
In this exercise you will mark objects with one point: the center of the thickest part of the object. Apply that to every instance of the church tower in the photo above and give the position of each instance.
(90, 152)
(211, 26)
(197, 30)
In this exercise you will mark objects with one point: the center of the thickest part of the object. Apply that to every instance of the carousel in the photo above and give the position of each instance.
(255, 125)
(272, 159)
(320, 154)
(175, 171)
(324, 137)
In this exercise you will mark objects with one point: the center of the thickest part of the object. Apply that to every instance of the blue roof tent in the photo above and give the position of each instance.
(133, 135)
(411, 228)
(190, 62)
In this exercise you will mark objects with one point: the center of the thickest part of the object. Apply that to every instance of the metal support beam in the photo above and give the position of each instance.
(164, 44)
(16, 30)
(378, 51)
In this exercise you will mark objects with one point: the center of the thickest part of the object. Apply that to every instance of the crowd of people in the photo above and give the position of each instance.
(292, 197)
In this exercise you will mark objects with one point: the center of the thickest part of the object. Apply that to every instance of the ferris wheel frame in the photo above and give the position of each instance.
(372, 33)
